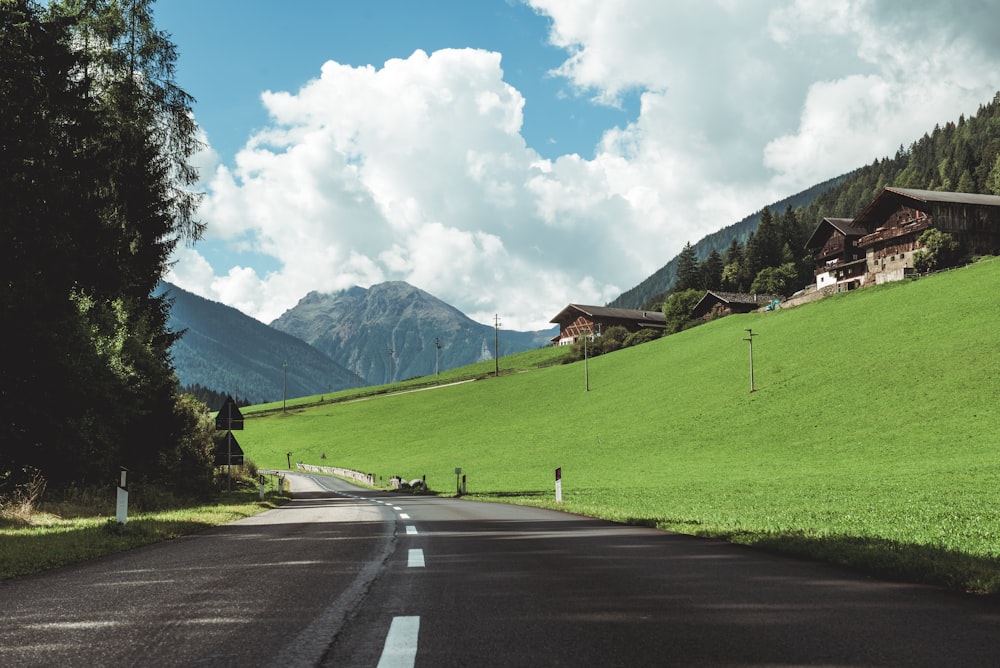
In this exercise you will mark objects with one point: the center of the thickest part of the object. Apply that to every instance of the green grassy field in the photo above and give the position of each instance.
(75, 532)
(871, 439)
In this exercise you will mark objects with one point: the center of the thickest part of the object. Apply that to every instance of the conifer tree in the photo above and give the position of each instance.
(98, 183)
(688, 275)
(711, 271)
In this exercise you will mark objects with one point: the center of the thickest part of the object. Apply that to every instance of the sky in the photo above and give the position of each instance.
(513, 156)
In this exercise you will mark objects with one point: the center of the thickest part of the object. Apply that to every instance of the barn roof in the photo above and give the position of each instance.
(842, 225)
(891, 199)
(740, 297)
(571, 312)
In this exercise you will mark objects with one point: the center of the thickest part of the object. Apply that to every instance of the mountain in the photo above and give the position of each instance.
(359, 327)
(227, 351)
(662, 280)
(962, 156)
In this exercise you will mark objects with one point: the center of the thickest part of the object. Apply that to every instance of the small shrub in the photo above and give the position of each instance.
(22, 502)
(644, 335)
(114, 527)
(939, 251)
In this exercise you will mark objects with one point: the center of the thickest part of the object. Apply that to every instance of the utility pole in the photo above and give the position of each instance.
(496, 344)
(749, 338)
(586, 363)
(437, 350)
(391, 352)
(284, 384)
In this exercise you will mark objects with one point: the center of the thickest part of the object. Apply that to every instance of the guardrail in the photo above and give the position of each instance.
(367, 478)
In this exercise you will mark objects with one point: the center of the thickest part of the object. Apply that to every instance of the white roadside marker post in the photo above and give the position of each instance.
(559, 485)
(121, 511)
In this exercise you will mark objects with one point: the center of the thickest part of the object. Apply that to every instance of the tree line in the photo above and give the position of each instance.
(773, 260)
(956, 157)
(211, 398)
(96, 139)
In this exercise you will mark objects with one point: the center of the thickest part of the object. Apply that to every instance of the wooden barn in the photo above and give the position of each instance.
(896, 218)
(581, 320)
(726, 303)
(877, 245)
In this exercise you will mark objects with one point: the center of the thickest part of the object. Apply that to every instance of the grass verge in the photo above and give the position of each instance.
(43, 540)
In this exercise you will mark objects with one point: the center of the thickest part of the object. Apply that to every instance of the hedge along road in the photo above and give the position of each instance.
(349, 577)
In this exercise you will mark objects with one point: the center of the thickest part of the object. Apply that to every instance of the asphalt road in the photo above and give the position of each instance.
(361, 578)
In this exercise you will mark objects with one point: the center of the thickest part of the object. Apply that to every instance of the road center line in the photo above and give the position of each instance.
(415, 558)
(411, 530)
(400, 649)
(404, 516)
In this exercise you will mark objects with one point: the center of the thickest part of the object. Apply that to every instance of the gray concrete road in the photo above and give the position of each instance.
(359, 578)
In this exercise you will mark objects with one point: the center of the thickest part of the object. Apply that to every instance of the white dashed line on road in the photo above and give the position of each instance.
(415, 558)
(411, 530)
(400, 649)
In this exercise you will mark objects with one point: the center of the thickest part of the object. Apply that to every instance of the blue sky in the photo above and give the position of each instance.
(513, 156)
(231, 50)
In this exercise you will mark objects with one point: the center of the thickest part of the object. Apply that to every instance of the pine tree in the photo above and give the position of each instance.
(146, 138)
(758, 252)
(711, 271)
(733, 254)
(52, 376)
(688, 275)
(97, 193)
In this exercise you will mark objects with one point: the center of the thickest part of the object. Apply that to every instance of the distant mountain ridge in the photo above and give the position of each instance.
(227, 351)
(962, 156)
(663, 279)
(358, 328)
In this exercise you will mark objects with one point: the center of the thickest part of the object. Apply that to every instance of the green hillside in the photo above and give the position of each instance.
(871, 439)
(962, 157)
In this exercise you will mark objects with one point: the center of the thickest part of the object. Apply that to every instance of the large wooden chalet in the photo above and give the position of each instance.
(838, 258)
(877, 245)
(581, 320)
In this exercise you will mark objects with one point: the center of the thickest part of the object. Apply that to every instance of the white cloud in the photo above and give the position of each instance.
(417, 170)
(414, 171)
(918, 71)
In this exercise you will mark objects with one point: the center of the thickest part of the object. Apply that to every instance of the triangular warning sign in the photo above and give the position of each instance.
(229, 416)
(228, 452)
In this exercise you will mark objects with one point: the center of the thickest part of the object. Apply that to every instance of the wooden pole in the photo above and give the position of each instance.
(749, 338)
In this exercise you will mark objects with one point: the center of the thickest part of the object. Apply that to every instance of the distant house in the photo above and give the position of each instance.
(839, 261)
(877, 245)
(581, 320)
(896, 218)
(726, 303)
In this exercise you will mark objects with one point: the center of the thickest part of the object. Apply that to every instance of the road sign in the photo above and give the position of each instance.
(229, 416)
(229, 452)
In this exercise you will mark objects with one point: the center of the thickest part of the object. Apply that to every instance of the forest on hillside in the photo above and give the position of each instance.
(765, 252)
(95, 144)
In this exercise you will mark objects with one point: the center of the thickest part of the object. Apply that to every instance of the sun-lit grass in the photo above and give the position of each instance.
(519, 362)
(44, 540)
(871, 439)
